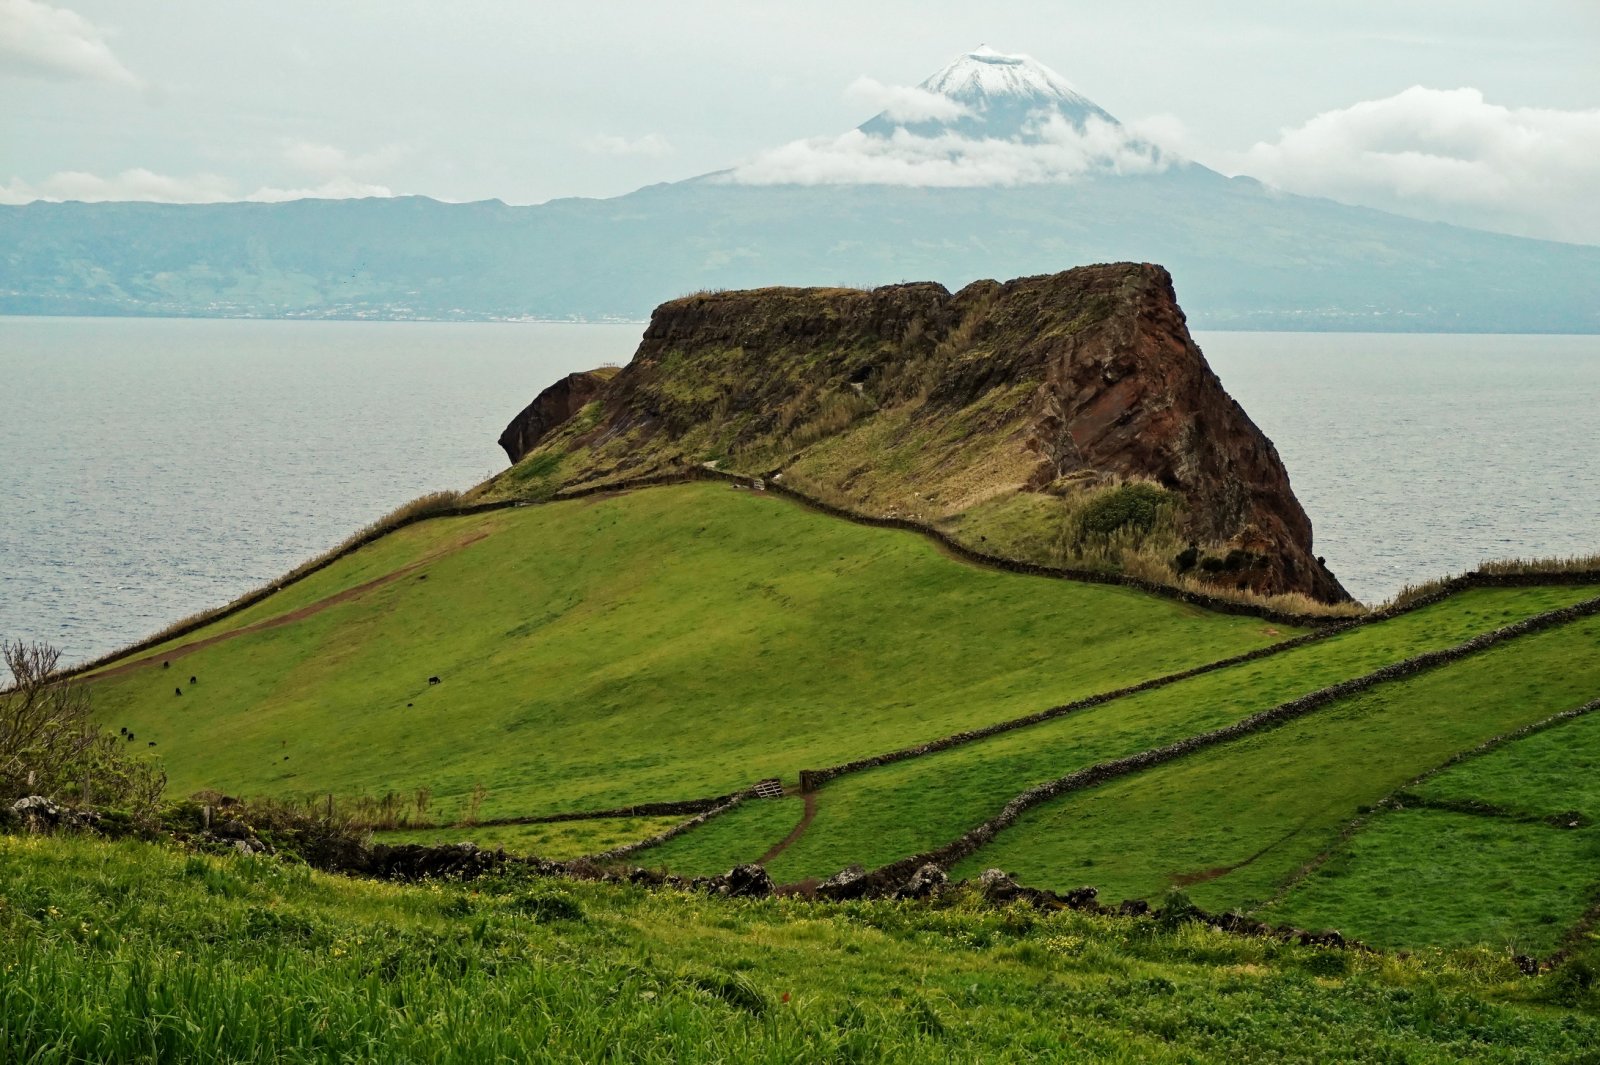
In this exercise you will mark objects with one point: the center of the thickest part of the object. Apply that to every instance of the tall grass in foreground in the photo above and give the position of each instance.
(131, 952)
(417, 509)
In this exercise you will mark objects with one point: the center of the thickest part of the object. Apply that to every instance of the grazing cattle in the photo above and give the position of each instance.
(152, 742)
(433, 680)
(194, 680)
(166, 665)
(177, 691)
(130, 737)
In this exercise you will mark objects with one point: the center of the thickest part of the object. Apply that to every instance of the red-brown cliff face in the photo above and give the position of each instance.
(965, 410)
(1132, 395)
(550, 409)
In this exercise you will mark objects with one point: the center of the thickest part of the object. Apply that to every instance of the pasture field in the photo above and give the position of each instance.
(1232, 824)
(129, 951)
(1550, 772)
(878, 815)
(1418, 877)
(684, 641)
(1501, 848)
(743, 834)
(669, 643)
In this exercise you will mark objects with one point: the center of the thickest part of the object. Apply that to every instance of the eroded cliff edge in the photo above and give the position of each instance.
(1068, 419)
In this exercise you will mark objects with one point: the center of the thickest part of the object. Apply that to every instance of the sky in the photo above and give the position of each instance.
(1482, 113)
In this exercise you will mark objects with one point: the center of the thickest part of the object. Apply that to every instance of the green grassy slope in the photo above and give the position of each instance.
(662, 644)
(1549, 772)
(1513, 857)
(1420, 876)
(133, 952)
(557, 840)
(1232, 823)
(881, 814)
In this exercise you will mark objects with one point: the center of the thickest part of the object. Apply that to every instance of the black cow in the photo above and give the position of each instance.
(433, 680)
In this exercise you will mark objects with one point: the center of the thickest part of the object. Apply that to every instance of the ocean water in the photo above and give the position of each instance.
(1421, 455)
(150, 468)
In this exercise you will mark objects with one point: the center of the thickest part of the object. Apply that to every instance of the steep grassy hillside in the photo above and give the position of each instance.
(669, 643)
(133, 952)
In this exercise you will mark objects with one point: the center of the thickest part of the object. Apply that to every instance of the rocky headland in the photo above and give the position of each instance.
(1067, 419)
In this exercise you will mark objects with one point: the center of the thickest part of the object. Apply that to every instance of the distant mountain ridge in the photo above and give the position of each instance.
(1245, 256)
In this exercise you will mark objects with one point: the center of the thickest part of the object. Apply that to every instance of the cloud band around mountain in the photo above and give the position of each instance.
(1057, 151)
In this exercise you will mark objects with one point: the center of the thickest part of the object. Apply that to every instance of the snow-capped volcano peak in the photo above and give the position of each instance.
(996, 95)
(985, 118)
(984, 74)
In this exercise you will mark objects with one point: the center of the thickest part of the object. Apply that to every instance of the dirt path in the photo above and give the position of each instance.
(1201, 877)
(292, 616)
(810, 800)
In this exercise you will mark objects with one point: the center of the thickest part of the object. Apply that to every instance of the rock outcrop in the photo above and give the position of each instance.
(1043, 394)
(551, 408)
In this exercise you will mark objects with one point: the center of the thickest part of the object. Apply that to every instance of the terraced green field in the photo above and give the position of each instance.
(1501, 848)
(1420, 877)
(664, 644)
(1550, 772)
(1232, 824)
(877, 815)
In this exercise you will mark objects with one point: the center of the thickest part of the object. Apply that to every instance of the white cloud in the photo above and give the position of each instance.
(651, 145)
(38, 39)
(339, 188)
(147, 186)
(1446, 155)
(905, 103)
(1061, 153)
(321, 171)
(329, 162)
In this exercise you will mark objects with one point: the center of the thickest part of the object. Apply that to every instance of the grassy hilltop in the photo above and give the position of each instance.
(664, 644)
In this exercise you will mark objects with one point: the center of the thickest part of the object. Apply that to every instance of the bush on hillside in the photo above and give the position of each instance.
(1136, 507)
(50, 745)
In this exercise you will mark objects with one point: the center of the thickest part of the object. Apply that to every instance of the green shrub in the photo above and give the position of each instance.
(1131, 506)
